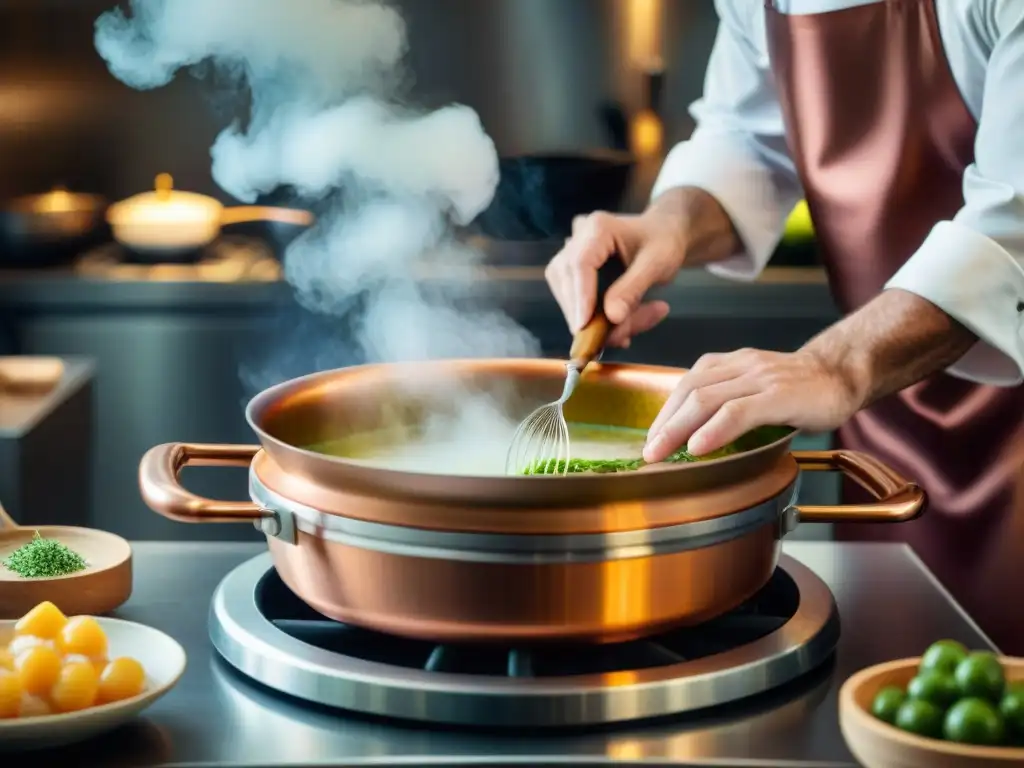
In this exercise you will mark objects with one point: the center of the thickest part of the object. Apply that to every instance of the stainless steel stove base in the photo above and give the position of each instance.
(250, 642)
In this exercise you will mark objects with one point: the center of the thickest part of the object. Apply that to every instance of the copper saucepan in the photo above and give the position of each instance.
(168, 221)
(599, 558)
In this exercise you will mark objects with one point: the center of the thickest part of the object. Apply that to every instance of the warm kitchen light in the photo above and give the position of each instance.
(626, 750)
(646, 134)
(57, 201)
(644, 23)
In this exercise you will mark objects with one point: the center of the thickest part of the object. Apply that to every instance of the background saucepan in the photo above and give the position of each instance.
(539, 195)
(167, 222)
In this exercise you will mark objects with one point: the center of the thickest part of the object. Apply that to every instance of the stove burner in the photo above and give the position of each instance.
(229, 258)
(264, 630)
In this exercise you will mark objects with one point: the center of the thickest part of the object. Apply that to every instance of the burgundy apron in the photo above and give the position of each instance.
(880, 136)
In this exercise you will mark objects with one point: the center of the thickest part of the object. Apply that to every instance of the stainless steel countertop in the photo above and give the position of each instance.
(890, 606)
(780, 292)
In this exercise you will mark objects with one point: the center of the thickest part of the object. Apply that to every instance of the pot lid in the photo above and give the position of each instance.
(165, 205)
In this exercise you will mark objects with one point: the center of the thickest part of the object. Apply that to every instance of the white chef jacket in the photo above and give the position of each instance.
(972, 267)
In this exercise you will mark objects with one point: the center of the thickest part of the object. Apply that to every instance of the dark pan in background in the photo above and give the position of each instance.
(50, 229)
(539, 195)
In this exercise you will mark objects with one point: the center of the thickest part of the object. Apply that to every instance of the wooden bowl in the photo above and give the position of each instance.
(30, 375)
(105, 584)
(876, 744)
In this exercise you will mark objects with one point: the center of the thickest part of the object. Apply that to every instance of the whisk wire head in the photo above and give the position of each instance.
(540, 444)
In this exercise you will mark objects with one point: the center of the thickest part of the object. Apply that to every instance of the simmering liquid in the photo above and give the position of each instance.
(479, 452)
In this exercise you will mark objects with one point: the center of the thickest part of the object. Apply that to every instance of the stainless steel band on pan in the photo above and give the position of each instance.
(284, 518)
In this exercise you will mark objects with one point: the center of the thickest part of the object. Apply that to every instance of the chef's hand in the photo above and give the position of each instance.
(650, 244)
(724, 396)
(684, 224)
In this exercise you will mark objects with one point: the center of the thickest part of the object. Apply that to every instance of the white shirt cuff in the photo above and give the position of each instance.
(742, 185)
(974, 280)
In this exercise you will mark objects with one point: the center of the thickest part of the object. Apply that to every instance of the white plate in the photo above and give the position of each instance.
(160, 655)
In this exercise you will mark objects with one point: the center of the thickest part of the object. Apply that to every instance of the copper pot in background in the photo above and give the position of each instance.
(599, 558)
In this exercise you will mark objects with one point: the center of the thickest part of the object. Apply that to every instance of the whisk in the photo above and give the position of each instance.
(541, 442)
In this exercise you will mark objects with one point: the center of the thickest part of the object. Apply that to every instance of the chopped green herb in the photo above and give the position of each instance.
(601, 466)
(604, 466)
(750, 441)
(44, 558)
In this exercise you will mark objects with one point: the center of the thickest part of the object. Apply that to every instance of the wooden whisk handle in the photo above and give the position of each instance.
(588, 343)
(591, 339)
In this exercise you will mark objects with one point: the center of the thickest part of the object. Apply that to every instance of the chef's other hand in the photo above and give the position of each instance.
(726, 395)
(650, 244)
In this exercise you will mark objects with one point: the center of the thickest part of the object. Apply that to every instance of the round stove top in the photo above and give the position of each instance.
(261, 628)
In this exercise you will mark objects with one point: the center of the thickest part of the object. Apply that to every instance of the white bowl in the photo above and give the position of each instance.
(160, 655)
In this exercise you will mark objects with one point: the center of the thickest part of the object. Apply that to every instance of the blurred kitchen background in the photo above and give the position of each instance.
(161, 346)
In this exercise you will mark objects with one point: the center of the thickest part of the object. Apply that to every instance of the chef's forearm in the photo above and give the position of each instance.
(707, 231)
(892, 342)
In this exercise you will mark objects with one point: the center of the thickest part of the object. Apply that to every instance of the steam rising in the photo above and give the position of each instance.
(325, 80)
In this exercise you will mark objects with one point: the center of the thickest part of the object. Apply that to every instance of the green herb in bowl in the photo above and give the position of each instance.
(44, 558)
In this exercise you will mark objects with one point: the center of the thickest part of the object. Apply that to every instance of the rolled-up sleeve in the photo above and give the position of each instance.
(738, 151)
(973, 266)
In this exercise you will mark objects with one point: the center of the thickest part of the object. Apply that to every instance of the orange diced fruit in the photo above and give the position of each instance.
(45, 621)
(76, 687)
(83, 635)
(10, 695)
(38, 669)
(6, 659)
(22, 643)
(121, 679)
(98, 664)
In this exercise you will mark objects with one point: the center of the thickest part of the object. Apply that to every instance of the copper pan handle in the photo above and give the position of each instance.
(164, 494)
(242, 214)
(898, 499)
